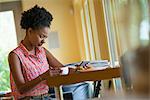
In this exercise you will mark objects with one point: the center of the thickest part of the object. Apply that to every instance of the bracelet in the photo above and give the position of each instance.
(40, 78)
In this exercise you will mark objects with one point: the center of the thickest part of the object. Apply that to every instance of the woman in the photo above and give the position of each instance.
(30, 63)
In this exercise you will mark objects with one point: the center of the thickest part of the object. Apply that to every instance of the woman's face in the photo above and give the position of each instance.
(37, 37)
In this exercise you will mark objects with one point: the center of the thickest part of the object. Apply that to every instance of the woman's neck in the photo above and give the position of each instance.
(27, 44)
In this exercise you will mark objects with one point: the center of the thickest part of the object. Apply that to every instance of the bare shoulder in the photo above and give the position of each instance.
(47, 52)
(13, 60)
(12, 55)
(45, 49)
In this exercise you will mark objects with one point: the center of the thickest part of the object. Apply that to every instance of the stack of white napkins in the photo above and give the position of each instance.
(99, 63)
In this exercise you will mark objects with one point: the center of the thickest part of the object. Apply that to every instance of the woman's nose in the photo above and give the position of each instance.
(43, 41)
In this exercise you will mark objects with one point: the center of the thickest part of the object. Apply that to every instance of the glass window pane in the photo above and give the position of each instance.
(8, 41)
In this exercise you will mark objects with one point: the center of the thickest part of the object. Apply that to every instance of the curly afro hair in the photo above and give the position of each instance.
(35, 18)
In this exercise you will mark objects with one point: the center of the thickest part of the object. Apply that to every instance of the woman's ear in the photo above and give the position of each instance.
(29, 31)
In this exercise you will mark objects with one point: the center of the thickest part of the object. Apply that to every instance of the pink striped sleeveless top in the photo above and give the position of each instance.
(32, 67)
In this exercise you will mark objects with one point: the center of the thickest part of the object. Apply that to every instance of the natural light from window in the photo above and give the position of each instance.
(8, 41)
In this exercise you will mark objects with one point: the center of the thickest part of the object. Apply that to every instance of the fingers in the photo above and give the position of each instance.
(83, 67)
(55, 71)
(72, 70)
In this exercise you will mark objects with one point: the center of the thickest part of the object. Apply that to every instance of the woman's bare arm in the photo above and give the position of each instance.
(15, 68)
(52, 60)
(55, 63)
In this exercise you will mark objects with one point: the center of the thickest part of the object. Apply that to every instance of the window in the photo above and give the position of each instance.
(89, 30)
(128, 26)
(8, 41)
(85, 36)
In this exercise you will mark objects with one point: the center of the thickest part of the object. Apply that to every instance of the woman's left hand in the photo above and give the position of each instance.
(72, 70)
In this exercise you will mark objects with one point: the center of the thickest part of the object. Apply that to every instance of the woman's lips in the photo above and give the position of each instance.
(40, 44)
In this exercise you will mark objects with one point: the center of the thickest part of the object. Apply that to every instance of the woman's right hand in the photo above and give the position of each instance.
(51, 72)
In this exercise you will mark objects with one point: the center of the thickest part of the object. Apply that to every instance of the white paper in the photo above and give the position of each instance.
(65, 70)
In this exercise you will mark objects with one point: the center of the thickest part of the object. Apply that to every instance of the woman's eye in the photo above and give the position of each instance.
(40, 36)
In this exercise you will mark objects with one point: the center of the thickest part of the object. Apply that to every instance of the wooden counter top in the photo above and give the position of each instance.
(92, 75)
